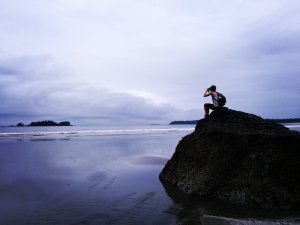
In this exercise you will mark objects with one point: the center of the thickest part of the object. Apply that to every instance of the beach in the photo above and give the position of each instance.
(105, 175)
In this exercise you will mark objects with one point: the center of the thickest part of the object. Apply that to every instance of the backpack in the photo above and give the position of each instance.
(221, 99)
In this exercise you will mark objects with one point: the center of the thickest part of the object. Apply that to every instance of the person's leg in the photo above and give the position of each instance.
(208, 106)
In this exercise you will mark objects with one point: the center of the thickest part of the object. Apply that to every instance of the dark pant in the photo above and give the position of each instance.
(208, 106)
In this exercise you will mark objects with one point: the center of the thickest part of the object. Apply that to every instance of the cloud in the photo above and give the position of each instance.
(111, 56)
(31, 89)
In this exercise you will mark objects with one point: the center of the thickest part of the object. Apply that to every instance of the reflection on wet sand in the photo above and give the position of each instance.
(192, 210)
(49, 139)
(148, 160)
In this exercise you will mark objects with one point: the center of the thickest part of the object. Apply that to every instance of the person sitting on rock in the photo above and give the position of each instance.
(218, 99)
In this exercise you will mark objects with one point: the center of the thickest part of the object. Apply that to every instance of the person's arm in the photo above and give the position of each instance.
(207, 93)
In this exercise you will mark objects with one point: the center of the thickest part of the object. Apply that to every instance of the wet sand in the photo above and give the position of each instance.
(84, 180)
(106, 180)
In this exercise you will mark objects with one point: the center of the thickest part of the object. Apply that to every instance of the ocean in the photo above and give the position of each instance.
(86, 175)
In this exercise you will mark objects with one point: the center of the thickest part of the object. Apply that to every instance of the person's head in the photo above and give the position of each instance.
(213, 88)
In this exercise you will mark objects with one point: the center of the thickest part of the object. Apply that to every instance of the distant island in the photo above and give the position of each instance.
(291, 120)
(184, 122)
(44, 123)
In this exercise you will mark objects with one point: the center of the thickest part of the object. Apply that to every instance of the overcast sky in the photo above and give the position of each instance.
(147, 60)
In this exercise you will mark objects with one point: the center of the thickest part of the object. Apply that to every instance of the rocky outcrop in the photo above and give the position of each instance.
(238, 157)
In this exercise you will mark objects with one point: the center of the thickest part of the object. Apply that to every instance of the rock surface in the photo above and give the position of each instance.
(238, 157)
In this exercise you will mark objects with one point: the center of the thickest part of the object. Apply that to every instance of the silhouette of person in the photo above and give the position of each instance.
(211, 91)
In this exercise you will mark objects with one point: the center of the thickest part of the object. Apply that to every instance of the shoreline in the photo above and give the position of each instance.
(281, 121)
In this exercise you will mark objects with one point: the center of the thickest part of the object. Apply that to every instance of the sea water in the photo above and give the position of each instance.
(105, 175)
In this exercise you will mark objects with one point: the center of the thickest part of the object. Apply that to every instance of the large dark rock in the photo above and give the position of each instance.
(238, 157)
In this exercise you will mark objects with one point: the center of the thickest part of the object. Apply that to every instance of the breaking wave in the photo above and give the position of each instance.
(94, 132)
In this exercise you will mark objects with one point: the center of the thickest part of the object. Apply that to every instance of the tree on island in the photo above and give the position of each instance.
(45, 123)
(64, 123)
(184, 122)
(50, 123)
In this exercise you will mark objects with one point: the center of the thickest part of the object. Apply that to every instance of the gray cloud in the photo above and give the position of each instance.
(146, 60)
(27, 93)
